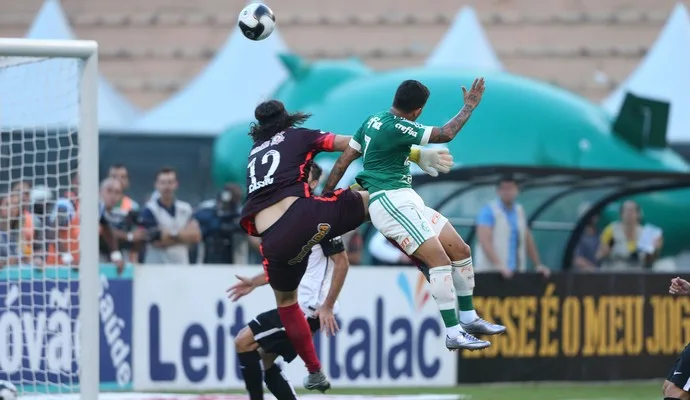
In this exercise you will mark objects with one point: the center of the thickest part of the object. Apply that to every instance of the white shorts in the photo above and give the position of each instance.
(402, 216)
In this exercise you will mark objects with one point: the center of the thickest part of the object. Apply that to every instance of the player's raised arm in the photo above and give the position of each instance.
(341, 142)
(338, 170)
(450, 129)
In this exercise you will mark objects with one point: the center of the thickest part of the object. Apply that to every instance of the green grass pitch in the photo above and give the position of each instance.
(649, 390)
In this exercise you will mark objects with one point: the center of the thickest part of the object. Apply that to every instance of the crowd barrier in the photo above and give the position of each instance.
(172, 328)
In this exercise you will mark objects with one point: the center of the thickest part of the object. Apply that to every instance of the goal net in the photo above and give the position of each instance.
(49, 329)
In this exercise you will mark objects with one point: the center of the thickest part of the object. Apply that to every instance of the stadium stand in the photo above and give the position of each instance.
(152, 48)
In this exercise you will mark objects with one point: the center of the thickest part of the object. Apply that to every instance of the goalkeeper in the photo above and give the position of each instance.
(399, 213)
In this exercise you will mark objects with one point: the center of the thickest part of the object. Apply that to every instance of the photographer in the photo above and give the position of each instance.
(220, 229)
(169, 224)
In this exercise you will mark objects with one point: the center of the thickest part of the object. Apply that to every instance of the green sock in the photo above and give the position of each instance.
(450, 318)
(465, 303)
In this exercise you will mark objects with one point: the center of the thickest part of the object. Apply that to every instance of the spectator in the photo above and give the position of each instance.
(10, 216)
(124, 216)
(120, 224)
(220, 229)
(64, 226)
(21, 191)
(586, 251)
(354, 245)
(170, 225)
(126, 204)
(384, 252)
(621, 245)
(504, 237)
(41, 198)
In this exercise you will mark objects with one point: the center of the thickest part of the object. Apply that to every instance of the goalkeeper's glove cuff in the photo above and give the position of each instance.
(415, 154)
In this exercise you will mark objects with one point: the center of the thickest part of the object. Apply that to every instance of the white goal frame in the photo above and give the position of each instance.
(89, 282)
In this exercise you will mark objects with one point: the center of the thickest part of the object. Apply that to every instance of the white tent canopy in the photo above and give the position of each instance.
(242, 74)
(465, 45)
(664, 75)
(45, 93)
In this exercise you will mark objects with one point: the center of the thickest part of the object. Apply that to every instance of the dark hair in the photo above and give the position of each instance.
(165, 170)
(507, 179)
(118, 166)
(273, 118)
(315, 170)
(411, 95)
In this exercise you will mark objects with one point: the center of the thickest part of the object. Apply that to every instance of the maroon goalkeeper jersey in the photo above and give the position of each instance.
(276, 169)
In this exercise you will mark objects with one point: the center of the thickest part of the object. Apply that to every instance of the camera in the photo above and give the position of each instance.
(153, 235)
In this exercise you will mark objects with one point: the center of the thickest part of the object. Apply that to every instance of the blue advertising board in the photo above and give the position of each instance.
(39, 328)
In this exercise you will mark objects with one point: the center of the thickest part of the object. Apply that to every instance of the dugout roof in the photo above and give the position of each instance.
(559, 201)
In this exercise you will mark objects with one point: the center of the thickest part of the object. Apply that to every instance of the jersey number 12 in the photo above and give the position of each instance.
(274, 155)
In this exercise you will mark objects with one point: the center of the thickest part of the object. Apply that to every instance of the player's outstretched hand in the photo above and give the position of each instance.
(240, 289)
(474, 96)
(435, 160)
(329, 325)
(679, 286)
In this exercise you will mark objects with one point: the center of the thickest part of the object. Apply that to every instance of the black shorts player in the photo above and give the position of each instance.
(277, 168)
(266, 332)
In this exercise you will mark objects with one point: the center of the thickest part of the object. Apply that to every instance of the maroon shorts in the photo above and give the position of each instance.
(287, 244)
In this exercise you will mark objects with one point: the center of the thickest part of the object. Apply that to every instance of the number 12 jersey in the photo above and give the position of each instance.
(277, 168)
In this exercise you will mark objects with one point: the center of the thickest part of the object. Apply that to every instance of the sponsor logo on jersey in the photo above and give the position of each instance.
(323, 230)
(435, 218)
(406, 129)
(405, 242)
(375, 123)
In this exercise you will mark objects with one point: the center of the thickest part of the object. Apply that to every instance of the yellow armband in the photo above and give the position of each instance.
(415, 153)
(356, 187)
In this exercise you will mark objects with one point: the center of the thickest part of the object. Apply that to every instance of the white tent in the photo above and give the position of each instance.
(242, 74)
(664, 75)
(46, 92)
(465, 45)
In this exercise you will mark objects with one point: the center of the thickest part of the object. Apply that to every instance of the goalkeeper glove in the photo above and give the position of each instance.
(432, 161)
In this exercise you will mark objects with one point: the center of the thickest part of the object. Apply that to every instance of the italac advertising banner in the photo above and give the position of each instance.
(39, 329)
(578, 327)
(390, 331)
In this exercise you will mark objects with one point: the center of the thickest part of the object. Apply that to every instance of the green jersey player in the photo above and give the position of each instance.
(384, 141)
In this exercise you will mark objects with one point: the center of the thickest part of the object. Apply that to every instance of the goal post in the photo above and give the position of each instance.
(17, 54)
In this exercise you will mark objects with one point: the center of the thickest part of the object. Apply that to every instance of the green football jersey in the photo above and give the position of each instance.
(385, 141)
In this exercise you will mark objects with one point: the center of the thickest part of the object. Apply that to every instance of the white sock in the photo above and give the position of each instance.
(467, 317)
(443, 291)
(454, 331)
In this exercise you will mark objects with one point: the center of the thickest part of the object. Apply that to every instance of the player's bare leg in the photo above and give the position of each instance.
(298, 331)
(432, 253)
(673, 392)
(463, 279)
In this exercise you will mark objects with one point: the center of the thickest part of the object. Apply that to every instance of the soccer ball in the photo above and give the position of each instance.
(256, 21)
(8, 391)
